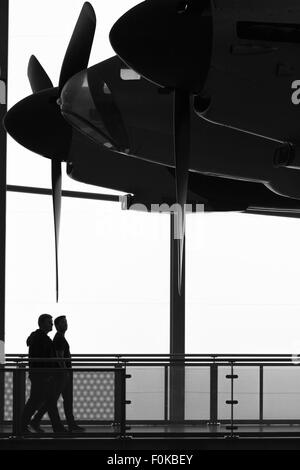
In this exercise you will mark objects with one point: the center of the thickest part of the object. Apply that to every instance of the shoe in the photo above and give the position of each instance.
(75, 428)
(36, 427)
(60, 430)
(26, 430)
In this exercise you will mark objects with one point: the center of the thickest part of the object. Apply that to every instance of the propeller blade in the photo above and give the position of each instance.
(56, 197)
(93, 109)
(37, 124)
(79, 48)
(182, 157)
(37, 76)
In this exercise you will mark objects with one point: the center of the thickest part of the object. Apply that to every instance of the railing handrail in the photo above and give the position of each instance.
(211, 355)
(158, 360)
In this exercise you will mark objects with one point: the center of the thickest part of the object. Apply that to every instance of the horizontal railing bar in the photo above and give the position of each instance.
(223, 422)
(166, 360)
(69, 435)
(43, 369)
(246, 434)
(65, 193)
(147, 364)
(153, 435)
(188, 422)
(167, 355)
(225, 365)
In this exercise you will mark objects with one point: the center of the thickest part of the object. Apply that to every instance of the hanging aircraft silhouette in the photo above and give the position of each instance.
(198, 107)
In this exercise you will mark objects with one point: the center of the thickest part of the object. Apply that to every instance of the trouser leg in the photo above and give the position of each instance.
(67, 394)
(52, 397)
(35, 400)
(54, 416)
(54, 390)
(40, 414)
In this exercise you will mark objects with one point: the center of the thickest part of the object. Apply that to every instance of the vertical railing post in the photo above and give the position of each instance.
(19, 392)
(22, 368)
(118, 386)
(19, 377)
(122, 373)
(166, 400)
(261, 393)
(120, 399)
(232, 402)
(213, 394)
(15, 428)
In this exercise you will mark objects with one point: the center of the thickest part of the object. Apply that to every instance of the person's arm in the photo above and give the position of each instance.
(58, 346)
(60, 354)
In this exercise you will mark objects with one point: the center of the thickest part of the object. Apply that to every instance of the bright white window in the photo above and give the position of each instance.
(114, 275)
(242, 284)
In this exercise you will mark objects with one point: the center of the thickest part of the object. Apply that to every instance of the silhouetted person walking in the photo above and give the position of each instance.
(65, 380)
(41, 374)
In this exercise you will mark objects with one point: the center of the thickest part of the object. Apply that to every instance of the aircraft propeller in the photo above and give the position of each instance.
(22, 118)
(38, 78)
(160, 41)
(40, 81)
(182, 157)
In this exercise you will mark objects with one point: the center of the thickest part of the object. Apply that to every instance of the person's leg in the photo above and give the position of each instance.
(68, 404)
(35, 400)
(67, 394)
(36, 420)
(53, 393)
(49, 392)
(53, 413)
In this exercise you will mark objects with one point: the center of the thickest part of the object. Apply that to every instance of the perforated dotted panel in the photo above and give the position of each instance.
(8, 396)
(93, 396)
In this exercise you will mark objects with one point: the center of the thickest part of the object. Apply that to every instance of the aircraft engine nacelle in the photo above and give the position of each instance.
(169, 42)
(253, 83)
(240, 58)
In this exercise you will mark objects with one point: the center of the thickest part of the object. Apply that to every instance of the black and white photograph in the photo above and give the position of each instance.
(149, 228)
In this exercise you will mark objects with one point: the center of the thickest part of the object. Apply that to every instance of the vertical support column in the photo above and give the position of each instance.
(177, 332)
(3, 109)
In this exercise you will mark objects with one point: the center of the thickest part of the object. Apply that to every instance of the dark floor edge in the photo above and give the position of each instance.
(220, 443)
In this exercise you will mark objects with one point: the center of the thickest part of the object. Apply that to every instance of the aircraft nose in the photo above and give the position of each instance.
(169, 42)
(87, 103)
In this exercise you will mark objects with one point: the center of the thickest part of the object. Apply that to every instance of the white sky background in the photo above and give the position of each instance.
(242, 271)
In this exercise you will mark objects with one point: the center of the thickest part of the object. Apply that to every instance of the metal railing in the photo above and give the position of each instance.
(16, 388)
(222, 394)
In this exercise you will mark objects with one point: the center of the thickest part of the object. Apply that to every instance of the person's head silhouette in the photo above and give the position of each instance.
(45, 322)
(61, 324)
